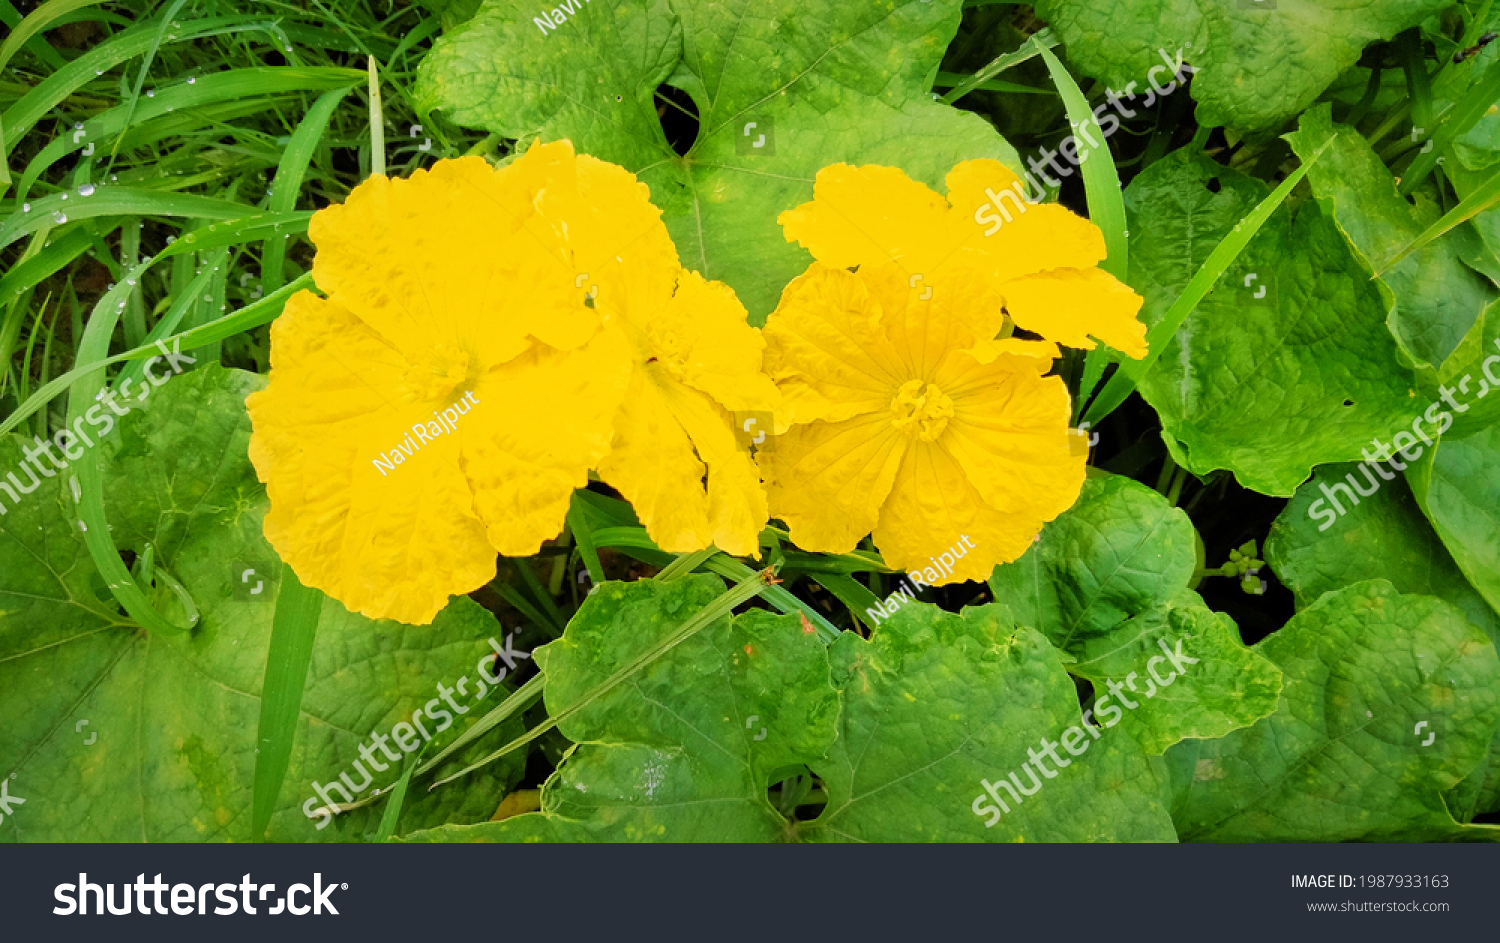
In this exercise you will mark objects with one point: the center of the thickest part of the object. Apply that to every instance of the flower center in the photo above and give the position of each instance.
(436, 375)
(921, 410)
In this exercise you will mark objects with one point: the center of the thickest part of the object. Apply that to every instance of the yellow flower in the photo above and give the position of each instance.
(910, 421)
(1038, 258)
(698, 361)
(481, 331)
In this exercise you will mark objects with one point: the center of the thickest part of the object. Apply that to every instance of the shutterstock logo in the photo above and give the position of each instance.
(189, 899)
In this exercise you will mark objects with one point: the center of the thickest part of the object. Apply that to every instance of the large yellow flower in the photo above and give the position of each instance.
(914, 414)
(1038, 258)
(910, 423)
(481, 331)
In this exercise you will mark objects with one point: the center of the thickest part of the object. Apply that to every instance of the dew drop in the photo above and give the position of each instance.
(130, 281)
(171, 239)
(191, 80)
(86, 189)
(26, 207)
(98, 71)
(58, 216)
(77, 491)
(83, 527)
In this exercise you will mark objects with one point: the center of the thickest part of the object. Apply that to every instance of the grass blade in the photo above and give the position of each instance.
(232, 86)
(741, 592)
(377, 123)
(1486, 195)
(117, 201)
(293, 630)
(30, 108)
(288, 181)
(1042, 40)
(1130, 373)
(1106, 201)
(523, 698)
(1452, 125)
(251, 316)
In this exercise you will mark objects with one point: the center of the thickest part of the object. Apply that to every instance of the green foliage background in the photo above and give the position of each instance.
(163, 160)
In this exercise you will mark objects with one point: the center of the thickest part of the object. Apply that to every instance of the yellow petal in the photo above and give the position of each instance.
(1037, 237)
(1009, 435)
(736, 500)
(828, 480)
(933, 510)
(704, 339)
(825, 335)
(388, 543)
(653, 465)
(415, 259)
(550, 421)
(871, 214)
(1068, 305)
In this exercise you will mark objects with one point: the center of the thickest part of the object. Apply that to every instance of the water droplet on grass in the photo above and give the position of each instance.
(86, 189)
(59, 217)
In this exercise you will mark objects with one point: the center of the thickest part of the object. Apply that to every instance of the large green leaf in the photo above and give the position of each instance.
(1458, 486)
(685, 750)
(1390, 700)
(822, 81)
(1259, 62)
(176, 717)
(1107, 583)
(1314, 550)
(1435, 300)
(936, 704)
(1288, 363)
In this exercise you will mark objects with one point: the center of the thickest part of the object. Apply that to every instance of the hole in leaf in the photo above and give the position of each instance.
(678, 116)
(1348, 402)
(1214, 186)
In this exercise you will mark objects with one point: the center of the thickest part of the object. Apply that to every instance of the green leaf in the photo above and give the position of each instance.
(1258, 64)
(1343, 757)
(176, 716)
(1386, 537)
(1107, 584)
(935, 704)
(824, 83)
(1164, 327)
(1434, 299)
(1270, 386)
(1314, 550)
(687, 749)
(1457, 488)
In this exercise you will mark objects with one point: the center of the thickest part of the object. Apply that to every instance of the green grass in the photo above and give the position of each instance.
(126, 131)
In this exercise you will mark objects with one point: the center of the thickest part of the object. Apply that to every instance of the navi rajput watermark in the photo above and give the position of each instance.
(67, 439)
(556, 19)
(1403, 442)
(405, 734)
(443, 423)
(1021, 198)
(1076, 740)
(942, 565)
